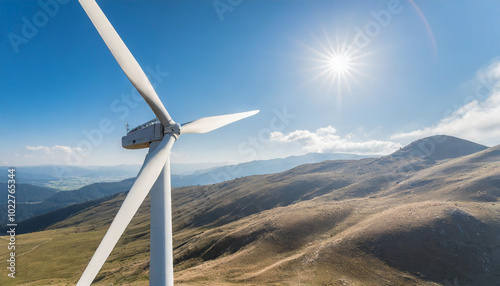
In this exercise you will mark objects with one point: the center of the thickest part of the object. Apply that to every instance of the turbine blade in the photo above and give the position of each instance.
(207, 124)
(153, 165)
(126, 60)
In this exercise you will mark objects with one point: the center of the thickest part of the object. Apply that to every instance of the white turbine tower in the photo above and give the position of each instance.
(159, 135)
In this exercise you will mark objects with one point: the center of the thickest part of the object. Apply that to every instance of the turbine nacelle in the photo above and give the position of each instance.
(143, 135)
(153, 130)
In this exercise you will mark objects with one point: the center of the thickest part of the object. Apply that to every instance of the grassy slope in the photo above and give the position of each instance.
(367, 222)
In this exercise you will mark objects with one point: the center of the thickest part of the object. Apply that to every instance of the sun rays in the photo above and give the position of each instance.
(336, 65)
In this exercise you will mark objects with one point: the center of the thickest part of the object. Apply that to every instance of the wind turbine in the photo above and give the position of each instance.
(159, 135)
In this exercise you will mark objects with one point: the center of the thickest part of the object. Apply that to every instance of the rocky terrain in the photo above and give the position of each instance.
(427, 214)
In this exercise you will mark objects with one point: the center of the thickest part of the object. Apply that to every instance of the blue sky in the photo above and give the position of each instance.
(420, 73)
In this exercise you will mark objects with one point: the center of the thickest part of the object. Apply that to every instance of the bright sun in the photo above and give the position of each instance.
(340, 64)
(336, 65)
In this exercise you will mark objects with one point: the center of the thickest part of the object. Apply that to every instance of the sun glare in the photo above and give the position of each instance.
(336, 65)
(339, 64)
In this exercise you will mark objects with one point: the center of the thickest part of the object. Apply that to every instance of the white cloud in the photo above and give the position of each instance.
(57, 154)
(53, 149)
(66, 149)
(326, 140)
(38, 148)
(478, 120)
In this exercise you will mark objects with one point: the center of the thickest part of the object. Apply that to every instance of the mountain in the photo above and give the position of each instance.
(26, 193)
(257, 167)
(41, 222)
(191, 168)
(439, 147)
(91, 192)
(44, 200)
(64, 171)
(342, 222)
(26, 177)
(68, 178)
(40, 205)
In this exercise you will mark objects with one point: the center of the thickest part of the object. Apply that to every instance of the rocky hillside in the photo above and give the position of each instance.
(401, 219)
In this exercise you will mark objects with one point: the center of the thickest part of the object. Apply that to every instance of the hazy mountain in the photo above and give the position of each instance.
(190, 168)
(41, 222)
(67, 178)
(26, 196)
(27, 193)
(258, 167)
(61, 171)
(343, 222)
(26, 177)
(56, 172)
(74, 177)
(35, 200)
(99, 190)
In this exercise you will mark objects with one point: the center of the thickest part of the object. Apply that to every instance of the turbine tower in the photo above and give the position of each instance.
(158, 135)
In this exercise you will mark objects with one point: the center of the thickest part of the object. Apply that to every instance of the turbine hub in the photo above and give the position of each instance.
(175, 130)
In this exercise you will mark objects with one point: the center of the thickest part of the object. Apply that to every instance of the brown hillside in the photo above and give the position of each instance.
(364, 222)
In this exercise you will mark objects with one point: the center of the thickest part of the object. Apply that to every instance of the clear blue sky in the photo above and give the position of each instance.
(416, 69)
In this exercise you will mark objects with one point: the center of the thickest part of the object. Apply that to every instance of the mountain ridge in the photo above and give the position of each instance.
(343, 222)
(439, 147)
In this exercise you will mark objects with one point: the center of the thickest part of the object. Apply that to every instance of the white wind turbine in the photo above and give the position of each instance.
(159, 135)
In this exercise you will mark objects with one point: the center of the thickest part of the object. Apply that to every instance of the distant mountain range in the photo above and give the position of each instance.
(428, 214)
(36, 200)
(39, 200)
(258, 167)
(73, 177)
(66, 178)
(26, 193)
(55, 172)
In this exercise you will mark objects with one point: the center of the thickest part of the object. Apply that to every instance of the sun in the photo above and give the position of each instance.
(339, 64)
(336, 65)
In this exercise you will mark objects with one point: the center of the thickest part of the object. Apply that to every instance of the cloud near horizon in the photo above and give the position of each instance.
(326, 140)
(53, 149)
(57, 154)
(477, 120)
